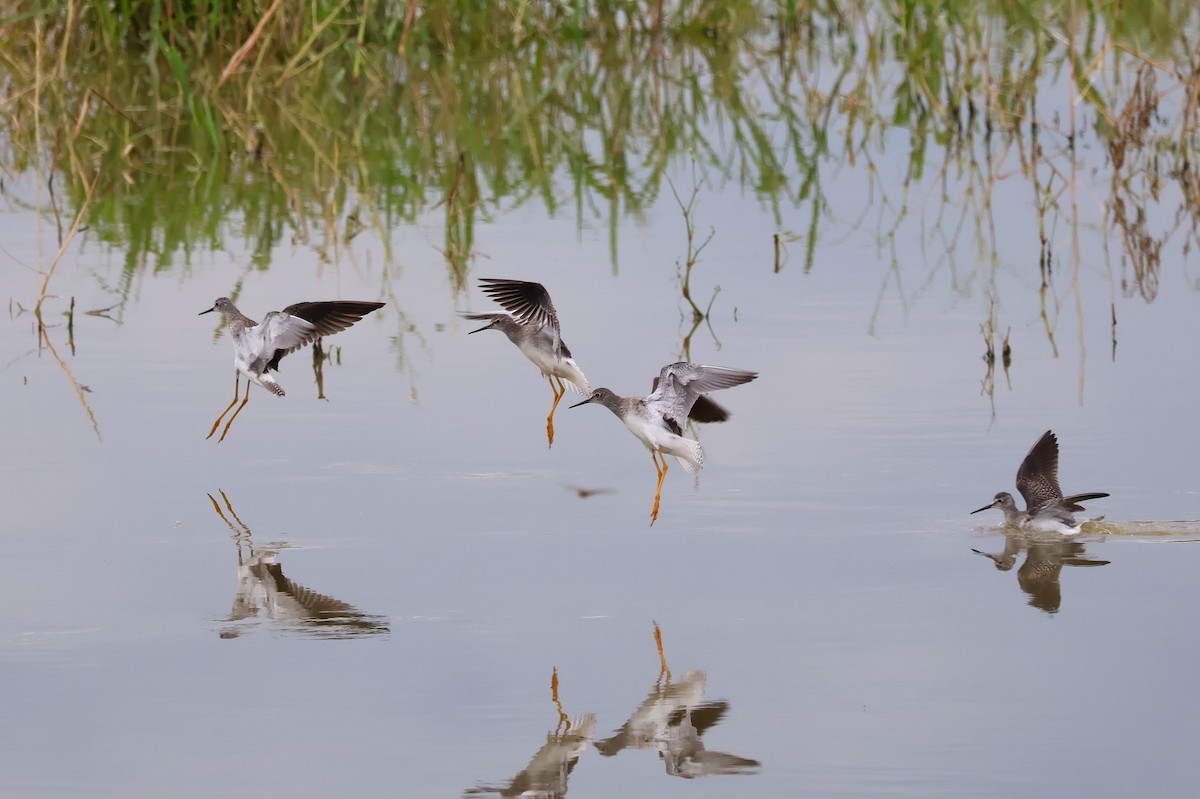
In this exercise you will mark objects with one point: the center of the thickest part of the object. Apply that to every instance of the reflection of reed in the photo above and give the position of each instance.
(44, 340)
(264, 591)
(546, 775)
(48, 274)
(988, 329)
(691, 258)
(672, 719)
(1039, 575)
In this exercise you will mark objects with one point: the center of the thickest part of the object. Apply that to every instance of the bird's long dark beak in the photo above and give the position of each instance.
(985, 507)
(210, 310)
(576, 405)
(480, 330)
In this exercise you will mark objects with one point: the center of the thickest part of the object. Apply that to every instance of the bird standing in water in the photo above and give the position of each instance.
(657, 420)
(1046, 509)
(258, 347)
(532, 324)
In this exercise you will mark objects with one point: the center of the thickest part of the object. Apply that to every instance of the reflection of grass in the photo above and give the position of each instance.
(320, 121)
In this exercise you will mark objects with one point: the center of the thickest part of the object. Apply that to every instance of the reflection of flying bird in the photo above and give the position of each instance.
(1047, 510)
(672, 719)
(532, 324)
(1039, 574)
(657, 420)
(584, 493)
(546, 775)
(264, 591)
(258, 348)
(648, 724)
(685, 755)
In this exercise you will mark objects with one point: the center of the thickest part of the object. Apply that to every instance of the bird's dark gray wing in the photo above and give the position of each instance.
(322, 318)
(334, 316)
(1071, 503)
(528, 302)
(1037, 479)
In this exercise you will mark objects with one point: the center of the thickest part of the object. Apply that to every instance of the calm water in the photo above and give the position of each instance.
(820, 606)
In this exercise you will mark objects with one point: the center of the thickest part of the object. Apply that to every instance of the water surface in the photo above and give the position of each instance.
(392, 585)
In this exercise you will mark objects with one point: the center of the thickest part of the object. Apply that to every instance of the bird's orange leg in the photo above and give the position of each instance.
(662, 474)
(235, 413)
(559, 392)
(236, 377)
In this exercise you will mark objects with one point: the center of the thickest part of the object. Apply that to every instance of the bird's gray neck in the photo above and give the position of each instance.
(620, 406)
(1012, 515)
(511, 328)
(238, 322)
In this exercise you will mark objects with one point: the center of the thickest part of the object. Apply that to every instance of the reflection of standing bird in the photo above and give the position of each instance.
(1039, 575)
(657, 420)
(532, 324)
(1047, 510)
(258, 348)
(1004, 560)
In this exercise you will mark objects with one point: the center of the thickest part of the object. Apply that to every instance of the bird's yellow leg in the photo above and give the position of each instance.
(236, 377)
(235, 414)
(662, 474)
(559, 392)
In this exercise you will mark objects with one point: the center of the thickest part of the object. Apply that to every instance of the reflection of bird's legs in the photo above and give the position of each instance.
(236, 378)
(233, 513)
(562, 717)
(664, 670)
(240, 531)
(235, 413)
(559, 391)
(662, 474)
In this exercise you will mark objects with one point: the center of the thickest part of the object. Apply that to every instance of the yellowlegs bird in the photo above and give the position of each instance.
(1047, 510)
(258, 348)
(532, 324)
(658, 420)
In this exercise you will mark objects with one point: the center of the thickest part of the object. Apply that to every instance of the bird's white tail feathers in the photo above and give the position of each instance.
(268, 382)
(575, 380)
(689, 454)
